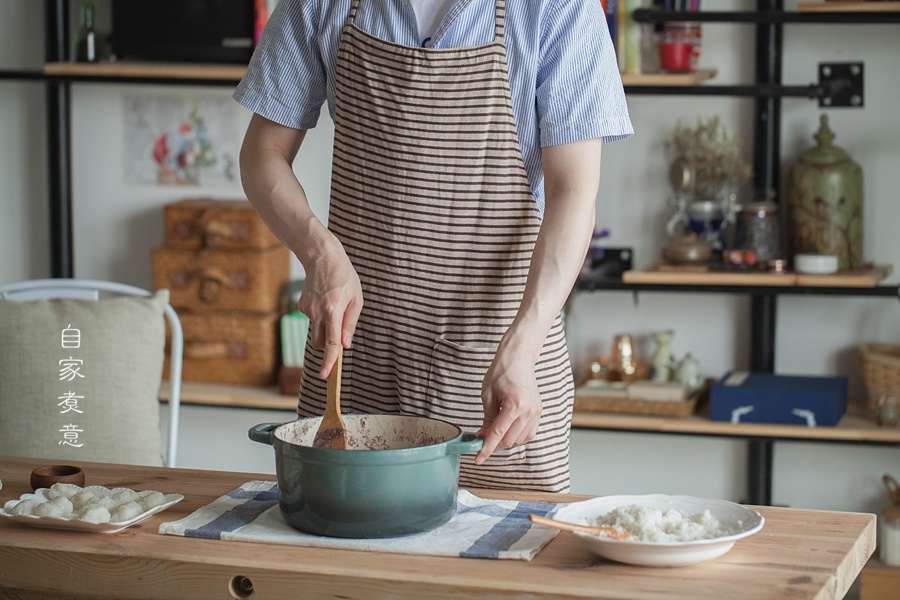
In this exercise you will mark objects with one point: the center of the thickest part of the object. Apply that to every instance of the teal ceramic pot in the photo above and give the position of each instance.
(399, 475)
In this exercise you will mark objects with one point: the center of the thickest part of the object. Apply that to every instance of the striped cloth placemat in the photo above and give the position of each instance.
(481, 528)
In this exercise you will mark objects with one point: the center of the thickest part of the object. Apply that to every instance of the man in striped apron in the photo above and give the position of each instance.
(437, 272)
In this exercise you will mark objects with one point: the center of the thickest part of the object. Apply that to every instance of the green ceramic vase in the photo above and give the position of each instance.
(826, 202)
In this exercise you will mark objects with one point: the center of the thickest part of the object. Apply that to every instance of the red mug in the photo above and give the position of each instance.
(675, 56)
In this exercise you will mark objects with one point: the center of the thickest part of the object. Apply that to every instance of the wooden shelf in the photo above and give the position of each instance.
(674, 79)
(862, 278)
(231, 396)
(146, 70)
(853, 427)
(204, 71)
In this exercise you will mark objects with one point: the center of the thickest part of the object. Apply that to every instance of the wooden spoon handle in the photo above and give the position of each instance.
(607, 532)
(333, 399)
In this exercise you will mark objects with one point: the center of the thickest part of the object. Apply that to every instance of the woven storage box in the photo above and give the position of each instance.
(212, 223)
(230, 347)
(881, 372)
(589, 400)
(226, 280)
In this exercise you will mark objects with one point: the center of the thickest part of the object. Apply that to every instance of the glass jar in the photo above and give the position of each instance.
(759, 232)
(889, 537)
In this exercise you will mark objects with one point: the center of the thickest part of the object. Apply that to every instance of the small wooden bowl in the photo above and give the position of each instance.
(687, 253)
(46, 476)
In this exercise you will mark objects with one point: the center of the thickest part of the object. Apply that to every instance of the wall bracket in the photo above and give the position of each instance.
(842, 83)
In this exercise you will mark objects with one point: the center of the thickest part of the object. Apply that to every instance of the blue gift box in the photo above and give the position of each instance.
(745, 396)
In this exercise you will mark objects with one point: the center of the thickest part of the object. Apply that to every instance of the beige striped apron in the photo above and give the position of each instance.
(432, 203)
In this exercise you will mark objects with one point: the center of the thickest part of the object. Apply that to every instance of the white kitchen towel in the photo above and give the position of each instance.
(481, 528)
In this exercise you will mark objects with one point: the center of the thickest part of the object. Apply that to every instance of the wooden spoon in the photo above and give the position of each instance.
(605, 532)
(332, 433)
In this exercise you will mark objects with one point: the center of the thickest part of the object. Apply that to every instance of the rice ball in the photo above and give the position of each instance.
(63, 489)
(64, 503)
(125, 512)
(95, 514)
(25, 507)
(105, 501)
(58, 507)
(152, 500)
(82, 498)
(123, 495)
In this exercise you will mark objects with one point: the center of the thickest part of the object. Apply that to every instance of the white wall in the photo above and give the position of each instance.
(117, 225)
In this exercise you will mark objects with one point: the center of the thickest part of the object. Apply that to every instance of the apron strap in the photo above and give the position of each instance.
(353, 7)
(499, 20)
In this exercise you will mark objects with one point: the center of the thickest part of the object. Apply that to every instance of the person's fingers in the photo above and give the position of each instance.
(351, 317)
(527, 434)
(316, 335)
(495, 433)
(332, 348)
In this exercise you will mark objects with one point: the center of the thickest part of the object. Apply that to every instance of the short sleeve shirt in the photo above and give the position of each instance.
(564, 79)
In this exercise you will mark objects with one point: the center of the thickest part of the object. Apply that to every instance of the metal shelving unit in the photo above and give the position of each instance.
(768, 91)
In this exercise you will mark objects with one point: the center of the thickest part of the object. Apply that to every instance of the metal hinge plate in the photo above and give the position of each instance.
(843, 83)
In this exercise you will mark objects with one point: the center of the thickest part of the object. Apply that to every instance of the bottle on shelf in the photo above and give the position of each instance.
(86, 48)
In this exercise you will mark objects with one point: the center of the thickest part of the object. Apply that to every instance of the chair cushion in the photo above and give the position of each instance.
(103, 358)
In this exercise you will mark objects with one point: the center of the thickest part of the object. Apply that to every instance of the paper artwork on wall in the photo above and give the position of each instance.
(180, 140)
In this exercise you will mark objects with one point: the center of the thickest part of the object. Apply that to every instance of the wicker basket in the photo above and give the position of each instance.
(590, 400)
(223, 280)
(196, 223)
(229, 347)
(881, 372)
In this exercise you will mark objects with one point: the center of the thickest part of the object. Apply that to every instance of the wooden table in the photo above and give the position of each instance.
(798, 554)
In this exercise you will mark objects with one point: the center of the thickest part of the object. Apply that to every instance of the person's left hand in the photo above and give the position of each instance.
(512, 404)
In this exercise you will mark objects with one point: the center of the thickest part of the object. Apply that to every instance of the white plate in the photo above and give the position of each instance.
(741, 520)
(79, 524)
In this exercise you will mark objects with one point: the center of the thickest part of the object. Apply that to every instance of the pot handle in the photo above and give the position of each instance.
(263, 433)
(468, 443)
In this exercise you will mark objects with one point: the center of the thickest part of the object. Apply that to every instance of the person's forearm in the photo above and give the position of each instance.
(273, 190)
(332, 294)
(571, 180)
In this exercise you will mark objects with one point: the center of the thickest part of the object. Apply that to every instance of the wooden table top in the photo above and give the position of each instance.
(798, 554)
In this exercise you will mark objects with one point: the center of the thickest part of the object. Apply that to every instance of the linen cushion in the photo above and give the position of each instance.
(103, 358)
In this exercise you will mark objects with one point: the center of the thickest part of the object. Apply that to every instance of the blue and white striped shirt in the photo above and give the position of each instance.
(564, 79)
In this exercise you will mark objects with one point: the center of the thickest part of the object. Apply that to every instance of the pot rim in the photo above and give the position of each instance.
(461, 442)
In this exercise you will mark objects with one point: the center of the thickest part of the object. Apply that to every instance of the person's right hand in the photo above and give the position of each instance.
(332, 299)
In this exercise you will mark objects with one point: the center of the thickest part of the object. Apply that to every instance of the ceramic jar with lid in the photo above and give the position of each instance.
(826, 202)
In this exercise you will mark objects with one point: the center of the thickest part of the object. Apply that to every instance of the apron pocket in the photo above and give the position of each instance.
(455, 379)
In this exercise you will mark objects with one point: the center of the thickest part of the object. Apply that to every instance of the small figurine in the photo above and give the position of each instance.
(663, 359)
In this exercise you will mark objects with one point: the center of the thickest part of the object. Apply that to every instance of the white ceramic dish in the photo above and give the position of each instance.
(816, 264)
(79, 524)
(735, 517)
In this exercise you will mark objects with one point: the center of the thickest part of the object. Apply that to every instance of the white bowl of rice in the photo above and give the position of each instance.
(671, 530)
